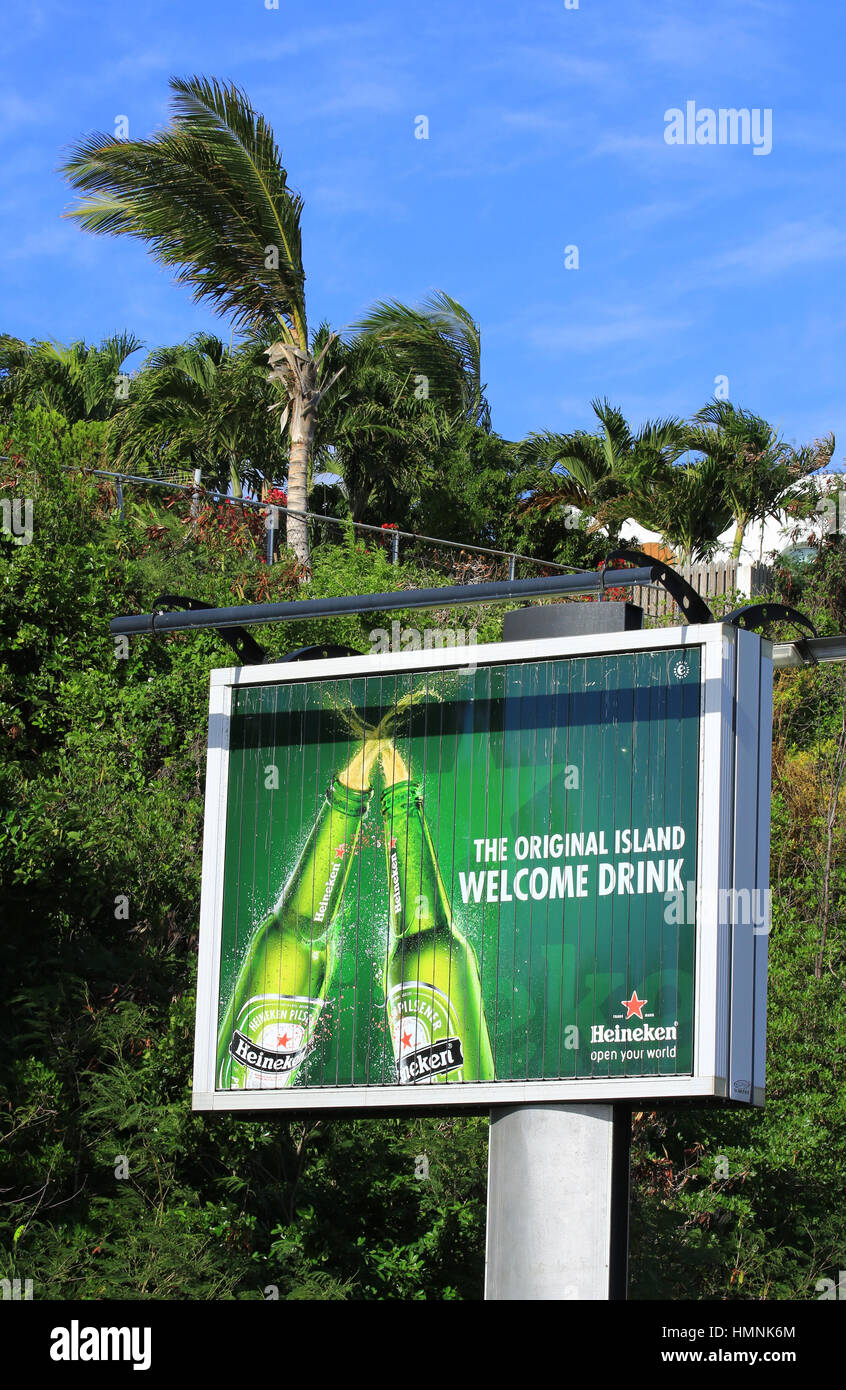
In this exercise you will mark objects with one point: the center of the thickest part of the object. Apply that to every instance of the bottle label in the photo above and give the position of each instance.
(272, 1037)
(424, 1031)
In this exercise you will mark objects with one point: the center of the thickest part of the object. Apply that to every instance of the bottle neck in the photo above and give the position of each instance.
(349, 801)
(400, 798)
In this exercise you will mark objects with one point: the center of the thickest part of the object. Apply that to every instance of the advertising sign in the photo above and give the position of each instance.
(539, 875)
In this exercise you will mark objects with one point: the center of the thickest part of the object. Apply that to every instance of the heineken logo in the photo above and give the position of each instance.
(327, 892)
(424, 1032)
(433, 1059)
(629, 1044)
(634, 1006)
(599, 1034)
(262, 1059)
(395, 882)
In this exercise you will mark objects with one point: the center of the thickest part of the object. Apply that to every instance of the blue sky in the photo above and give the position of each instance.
(546, 130)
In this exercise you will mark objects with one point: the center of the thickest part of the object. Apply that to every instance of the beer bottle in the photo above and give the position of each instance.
(432, 986)
(268, 1028)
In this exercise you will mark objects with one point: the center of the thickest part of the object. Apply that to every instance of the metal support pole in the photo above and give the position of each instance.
(555, 586)
(557, 1202)
(512, 566)
(195, 500)
(119, 486)
(558, 1174)
(272, 530)
(395, 548)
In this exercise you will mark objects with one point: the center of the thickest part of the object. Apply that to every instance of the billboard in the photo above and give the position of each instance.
(542, 875)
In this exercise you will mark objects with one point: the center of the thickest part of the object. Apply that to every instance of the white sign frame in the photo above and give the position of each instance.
(732, 861)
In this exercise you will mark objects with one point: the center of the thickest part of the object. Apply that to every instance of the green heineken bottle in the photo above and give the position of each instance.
(434, 995)
(269, 1025)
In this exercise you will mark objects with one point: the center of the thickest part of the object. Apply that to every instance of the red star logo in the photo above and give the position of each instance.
(406, 1040)
(392, 845)
(634, 1006)
(283, 1041)
(340, 851)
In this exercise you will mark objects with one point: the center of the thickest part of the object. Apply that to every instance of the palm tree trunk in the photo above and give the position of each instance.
(740, 532)
(302, 436)
(233, 477)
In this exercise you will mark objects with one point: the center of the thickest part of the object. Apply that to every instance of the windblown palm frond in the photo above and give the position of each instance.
(437, 341)
(759, 469)
(208, 195)
(78, 380)
(375, 433)
(572, 469)
(203, 406)
(686, 504)
(603, 474)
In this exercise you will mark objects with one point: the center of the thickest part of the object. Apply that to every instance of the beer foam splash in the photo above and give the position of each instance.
(363, 731)
(350, 716)
(405, 704)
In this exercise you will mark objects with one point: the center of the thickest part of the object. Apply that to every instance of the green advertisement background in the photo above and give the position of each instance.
(497, 752)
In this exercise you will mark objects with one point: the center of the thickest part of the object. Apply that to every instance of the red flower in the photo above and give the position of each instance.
(389, 526)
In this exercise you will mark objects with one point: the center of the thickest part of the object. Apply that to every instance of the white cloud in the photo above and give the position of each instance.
(535, 59)
(539, 121)
(604, 328)
(359, 95)
(781, 249)
(290, 45)
(727, 40)
(662, 209)
(650, 146)
(336, 197)
(17, 111)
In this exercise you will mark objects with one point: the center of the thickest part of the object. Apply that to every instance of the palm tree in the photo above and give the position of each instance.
(438, 348)
(759, 469)
(687, 505)
(603, 474)
(210, 195)
(202, 403)
(376, 433)
(80, 382)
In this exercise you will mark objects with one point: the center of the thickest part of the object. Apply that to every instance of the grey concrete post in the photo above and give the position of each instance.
(557, 1202)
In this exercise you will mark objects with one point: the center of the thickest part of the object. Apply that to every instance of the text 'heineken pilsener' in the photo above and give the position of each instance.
(434, 996)
(269, 1027)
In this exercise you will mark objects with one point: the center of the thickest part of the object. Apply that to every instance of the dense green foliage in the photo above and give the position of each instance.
(733, 1205)
(112, 1187)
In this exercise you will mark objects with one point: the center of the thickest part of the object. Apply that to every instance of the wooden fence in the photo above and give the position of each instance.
(744, 578)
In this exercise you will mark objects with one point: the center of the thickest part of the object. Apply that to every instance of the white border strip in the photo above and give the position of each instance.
(458, 1095)
(491, 654)
(211, 899)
